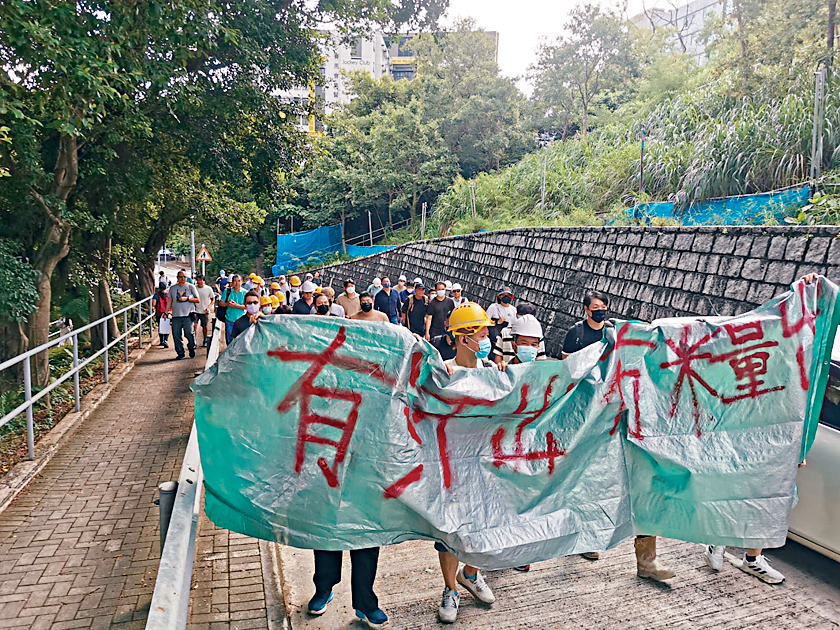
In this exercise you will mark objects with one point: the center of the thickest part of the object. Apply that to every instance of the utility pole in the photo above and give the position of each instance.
(423, 223)
(472, 198)
(642, 164)
(370, 228)
(817, 132)
(542, 187)
(192, 247)
(203, 275)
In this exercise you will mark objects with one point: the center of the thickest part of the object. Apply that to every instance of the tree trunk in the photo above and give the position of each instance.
(54, 245)
(144, 276)
(99, 296)
(832, 11)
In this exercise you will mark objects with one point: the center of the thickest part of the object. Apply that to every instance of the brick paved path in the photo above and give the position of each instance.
(79, 548)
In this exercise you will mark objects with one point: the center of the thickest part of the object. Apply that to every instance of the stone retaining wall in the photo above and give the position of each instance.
(649, 272)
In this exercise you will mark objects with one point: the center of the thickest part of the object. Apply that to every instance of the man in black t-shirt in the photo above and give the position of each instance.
(581, 335)
(415, 309)
(438, 311)
(591, 329)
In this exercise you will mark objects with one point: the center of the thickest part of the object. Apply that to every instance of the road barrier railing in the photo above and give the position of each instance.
(171, 597)
(29, 399)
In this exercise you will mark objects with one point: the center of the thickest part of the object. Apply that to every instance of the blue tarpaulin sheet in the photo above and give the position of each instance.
(730, 210)
(355, 250)
(299, 248)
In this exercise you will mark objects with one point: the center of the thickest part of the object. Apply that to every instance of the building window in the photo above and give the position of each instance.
(356, 49)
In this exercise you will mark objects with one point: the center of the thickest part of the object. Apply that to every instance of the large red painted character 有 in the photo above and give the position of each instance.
(305, 389)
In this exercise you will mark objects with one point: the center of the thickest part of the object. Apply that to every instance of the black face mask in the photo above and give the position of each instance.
(506, 299)
(323, 309)
(599, 316)
(367, 306)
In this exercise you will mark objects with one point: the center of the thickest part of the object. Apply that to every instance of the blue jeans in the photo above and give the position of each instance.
(229, 331)
(182, 325)
(394, 319)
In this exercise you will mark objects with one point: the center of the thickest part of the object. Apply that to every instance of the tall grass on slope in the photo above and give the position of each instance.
(701, 145)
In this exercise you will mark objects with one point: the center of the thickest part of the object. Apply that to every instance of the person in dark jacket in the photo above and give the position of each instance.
(388, 301)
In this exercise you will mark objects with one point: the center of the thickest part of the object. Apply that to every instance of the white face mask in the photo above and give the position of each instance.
(441, 293)
(252, 309)
(266, 310)
(350, 290)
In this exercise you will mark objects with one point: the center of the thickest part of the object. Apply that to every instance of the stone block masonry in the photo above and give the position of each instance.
(648, 272)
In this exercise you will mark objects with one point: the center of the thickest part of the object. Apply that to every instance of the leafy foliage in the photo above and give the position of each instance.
(17, 300)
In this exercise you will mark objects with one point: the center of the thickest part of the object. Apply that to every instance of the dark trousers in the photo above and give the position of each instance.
(182, 325)
(364, 561)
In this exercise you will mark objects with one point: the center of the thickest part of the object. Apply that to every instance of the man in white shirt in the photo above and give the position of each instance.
(202, 309)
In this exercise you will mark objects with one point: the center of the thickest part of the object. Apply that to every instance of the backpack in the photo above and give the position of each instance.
(221, 311)
(411, 302)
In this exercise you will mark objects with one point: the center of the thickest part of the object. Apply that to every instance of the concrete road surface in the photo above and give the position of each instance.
(577, 593)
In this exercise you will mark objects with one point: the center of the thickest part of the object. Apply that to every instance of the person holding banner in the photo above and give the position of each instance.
(471, 327)
(581, 335)
(754, 562)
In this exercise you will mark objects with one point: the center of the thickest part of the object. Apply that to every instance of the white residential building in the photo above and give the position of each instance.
(684, 21)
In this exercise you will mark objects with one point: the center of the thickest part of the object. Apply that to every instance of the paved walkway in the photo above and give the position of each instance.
(578, 593)
(79, 548)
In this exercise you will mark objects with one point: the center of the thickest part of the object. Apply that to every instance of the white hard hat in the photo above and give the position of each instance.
(402, 278)
(377, 282)
(308, 276)
(456, 287)
(448, 285)
(527, 326)
(222, 272)
(308, 287)
(416, 280)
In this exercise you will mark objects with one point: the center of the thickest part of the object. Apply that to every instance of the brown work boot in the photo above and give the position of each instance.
(647, 566)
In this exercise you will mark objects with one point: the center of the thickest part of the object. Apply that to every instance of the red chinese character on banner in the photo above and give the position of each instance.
(789, 329)
(748, 361)
(552, 449)
(634, 424)
(305, 389)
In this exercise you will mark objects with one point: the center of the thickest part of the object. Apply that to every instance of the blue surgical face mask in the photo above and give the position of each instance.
(526, 353)
(484, 347)
(386, 285)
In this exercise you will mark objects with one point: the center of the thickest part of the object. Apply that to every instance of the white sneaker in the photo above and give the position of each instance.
(761, 569)
(448, 611)
(714, 556)
(476, 586)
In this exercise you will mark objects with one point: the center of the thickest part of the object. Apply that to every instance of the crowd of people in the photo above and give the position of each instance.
(466, 335)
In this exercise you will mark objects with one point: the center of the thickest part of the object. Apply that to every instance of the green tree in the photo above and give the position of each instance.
(596, 57)
(90, 86)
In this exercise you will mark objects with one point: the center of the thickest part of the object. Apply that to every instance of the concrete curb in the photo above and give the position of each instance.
(22, 473)
(275, 606)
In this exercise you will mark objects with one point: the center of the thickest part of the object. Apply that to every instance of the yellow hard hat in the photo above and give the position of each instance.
(275, 286)
(280, 297)
(252, 275)
(468, 318)
(265, 301)
(275, 301)
(318, 290)
(294, 281)
(258, 280)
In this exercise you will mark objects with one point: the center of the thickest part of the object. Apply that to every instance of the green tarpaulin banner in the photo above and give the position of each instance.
(327, 433)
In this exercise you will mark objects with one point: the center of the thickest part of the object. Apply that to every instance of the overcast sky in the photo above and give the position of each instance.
(521, 24)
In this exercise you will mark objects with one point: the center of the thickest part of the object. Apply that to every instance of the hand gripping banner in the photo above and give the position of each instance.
(326, 433)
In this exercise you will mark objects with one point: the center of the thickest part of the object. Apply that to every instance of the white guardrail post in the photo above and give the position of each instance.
(73, 337)
(171, 598)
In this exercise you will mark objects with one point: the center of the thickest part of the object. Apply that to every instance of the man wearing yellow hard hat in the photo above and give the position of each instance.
(470, 326)
(294, 291)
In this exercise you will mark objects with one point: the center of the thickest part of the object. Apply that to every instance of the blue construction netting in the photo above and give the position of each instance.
(309, 248)
(745, 209)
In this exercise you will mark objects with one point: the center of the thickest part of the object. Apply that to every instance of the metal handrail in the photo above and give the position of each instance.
(171, 597)
(30, 400)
